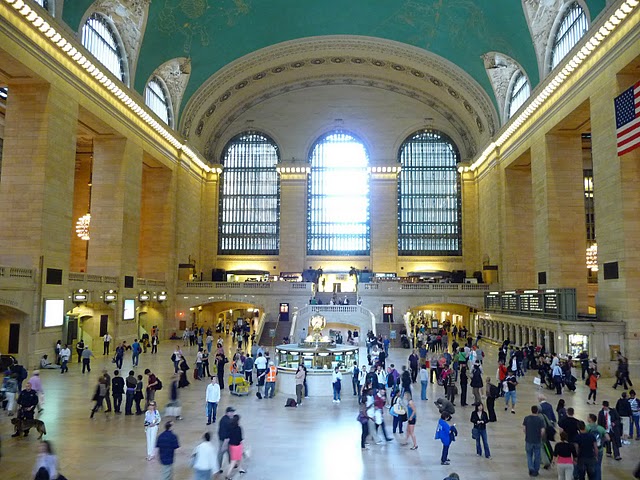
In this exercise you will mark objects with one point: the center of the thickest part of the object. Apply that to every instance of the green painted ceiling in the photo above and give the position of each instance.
(217, 32)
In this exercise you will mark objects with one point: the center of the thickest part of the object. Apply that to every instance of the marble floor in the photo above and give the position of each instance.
(319, 440)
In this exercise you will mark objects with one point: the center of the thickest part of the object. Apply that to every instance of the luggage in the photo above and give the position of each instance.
(173, 410)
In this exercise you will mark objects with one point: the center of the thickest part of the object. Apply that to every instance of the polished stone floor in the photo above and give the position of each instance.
(319, 440)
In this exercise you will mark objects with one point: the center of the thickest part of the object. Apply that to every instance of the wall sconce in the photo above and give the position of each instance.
(110, 296)
(80, 296)
(144, 296)
(162, 296)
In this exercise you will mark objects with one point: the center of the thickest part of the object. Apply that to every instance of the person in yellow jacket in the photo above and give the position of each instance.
(270, 385)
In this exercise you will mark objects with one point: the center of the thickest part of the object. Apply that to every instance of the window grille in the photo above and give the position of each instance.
(43, 3)
(573, 26)
(99, 38)
(589, 208)
(249, 211)
(519, 93)
(429, 200)
(157, 99)
(338, 196)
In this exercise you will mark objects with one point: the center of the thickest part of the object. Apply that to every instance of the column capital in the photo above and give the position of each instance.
(293, 170)
(385, 172)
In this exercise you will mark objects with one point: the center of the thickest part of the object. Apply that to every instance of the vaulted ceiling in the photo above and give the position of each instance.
(214, 33)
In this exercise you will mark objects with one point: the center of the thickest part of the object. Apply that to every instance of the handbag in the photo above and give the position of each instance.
(537, 381)
(399, 409)
(475, 434)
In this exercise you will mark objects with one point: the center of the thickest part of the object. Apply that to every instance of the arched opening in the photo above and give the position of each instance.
(338, 196)
(101, 38)
(573, 25)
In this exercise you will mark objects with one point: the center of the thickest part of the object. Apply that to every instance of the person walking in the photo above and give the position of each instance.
(411, 420)
(235, 447)
(355, 378)
(176, 356)
(136, 349)
(154, 344)
(479, 418)
(130, 384)
(609, 419)
(138, 395)
(107, 396)
(299, 384)
(152, 385)
(564, 456)
(203, 459)
(86, 359)
(65, 355)
(476, 382)
(151, 421)
(623, 407)
(167, 444)
(336, 382)
(399, 412)
(98, 396)
(635, 414)
(106, 342)
(493, 393)
(223, 436)
(212, 397)
(464, 379)
(270, 385)
(117, 390)
(533, 427)
(424, 381)
(592, 381)
(379, 403)
(443, 433)
(587, 464)
(510, 394)
(46, 465)
(119, 356)
(364, 420)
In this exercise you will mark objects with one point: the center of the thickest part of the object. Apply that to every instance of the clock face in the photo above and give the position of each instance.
(317, 322)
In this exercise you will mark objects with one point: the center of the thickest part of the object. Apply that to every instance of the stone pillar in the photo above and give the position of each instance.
(157, 234)
(559, 225)
(115, 208)
(293, 221)
(518, 269)
(384, 221)
(616, 198)
(37, 177)
(193, 202)
(547, 343)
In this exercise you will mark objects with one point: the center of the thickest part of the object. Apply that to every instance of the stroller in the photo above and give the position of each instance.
(404, 341)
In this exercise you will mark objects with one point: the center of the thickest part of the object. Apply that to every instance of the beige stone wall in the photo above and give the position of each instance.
(293, 225)
(188, 216)
(384, 223)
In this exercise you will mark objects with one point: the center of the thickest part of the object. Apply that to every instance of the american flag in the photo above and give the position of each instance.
(628, 119)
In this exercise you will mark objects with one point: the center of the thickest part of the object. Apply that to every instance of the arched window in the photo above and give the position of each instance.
(520, 91)
(156, 98)
(99, 37)
(338, 196)
(43, 3)
(249, 213)
(573, 26)
(429, 201)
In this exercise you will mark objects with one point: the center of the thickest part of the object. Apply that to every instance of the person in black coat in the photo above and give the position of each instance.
(464, 380)
(405, 380)
(609, 419)
(28, 401)
(117, 390)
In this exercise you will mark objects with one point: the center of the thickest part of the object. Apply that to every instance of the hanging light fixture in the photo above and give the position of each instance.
(592, 257)
(82, 227)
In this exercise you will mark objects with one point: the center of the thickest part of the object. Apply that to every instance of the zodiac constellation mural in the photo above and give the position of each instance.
(194, 18)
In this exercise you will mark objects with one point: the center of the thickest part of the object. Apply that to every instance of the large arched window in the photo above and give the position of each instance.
(100, 38)
(249, 213)
(156, 98)
(573, 26)
(338, 196)
(519, 92)
(429, 201)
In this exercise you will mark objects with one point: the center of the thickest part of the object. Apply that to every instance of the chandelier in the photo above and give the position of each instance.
(82, 227)
(592, 257)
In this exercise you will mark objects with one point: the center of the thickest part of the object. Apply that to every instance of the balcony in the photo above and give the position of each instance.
(16, 278)
(246, 288)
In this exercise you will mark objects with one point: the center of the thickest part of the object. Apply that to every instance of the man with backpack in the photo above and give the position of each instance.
(153, 384)
(477, 383)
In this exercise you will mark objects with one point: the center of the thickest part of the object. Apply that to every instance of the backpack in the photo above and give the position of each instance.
(291, 403)
(158, 384)
(494, 391)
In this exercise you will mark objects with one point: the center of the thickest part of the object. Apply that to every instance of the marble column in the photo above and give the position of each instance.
(384, 214)
(293, 221)
(616, 200)
(558, 194)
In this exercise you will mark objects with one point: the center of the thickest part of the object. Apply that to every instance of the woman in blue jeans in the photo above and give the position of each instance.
(479, 418)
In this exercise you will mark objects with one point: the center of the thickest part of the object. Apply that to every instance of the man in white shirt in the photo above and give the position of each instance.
(212, 397)
(65, 355)
(106, 340)
(261, 368)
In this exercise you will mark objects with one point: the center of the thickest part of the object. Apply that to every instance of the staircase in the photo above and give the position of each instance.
(340, 317)
(282, 330)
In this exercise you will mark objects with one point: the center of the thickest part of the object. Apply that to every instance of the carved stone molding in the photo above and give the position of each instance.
(500, 70)
(130, 18)
(388, 64)
(211, 150)
(175, 73)
(542, 16)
